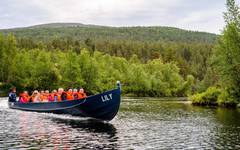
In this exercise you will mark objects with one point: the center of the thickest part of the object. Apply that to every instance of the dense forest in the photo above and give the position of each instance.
(149, 61)
(40, 68)
(225, 62)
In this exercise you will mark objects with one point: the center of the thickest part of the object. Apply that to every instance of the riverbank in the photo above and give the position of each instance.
(214, 96)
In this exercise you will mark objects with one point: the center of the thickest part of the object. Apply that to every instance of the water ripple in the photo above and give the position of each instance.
(140, 124)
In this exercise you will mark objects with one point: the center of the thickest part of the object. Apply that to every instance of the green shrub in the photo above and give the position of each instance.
(226, 99)
(210, 97)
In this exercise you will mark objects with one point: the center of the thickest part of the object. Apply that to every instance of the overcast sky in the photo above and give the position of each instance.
(200, 15)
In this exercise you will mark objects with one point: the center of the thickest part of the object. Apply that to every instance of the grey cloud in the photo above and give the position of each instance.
(201, 15)
(15, 14)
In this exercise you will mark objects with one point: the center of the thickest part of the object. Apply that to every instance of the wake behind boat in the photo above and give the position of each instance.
(102, 106)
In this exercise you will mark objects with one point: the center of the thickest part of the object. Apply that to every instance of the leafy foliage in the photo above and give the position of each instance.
(227, 55)
(209, 97)
(48, 69)
(226, 61)
(188, 50)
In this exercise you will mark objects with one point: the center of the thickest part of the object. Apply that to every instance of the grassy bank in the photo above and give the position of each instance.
(214, 96)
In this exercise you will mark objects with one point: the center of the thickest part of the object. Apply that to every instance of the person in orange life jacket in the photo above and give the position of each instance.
(62, 94)
(36, 97)
(12, 97)
(60, 91)
(48, 96)
(75, 94)
(20, 99)
(70, 94)
(24, 97)
(54, 96)
(81, 93)
(43, 96)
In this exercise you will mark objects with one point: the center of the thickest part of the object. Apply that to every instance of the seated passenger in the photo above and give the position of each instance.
(70, 94)
(12, 97)
(75, 94)
(48, 96)
(35, 97)
(81, 93)
(54, 95)
(24, 97)
(62, 94)
(20, 99)
(43, 96)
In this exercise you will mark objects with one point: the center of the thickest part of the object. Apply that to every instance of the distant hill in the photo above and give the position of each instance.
(81, 32)
(61, 25)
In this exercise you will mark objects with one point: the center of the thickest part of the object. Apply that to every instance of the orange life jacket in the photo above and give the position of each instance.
(69, 96)
(81, 95)
(59, 97)
(24, 98)
(43, 97)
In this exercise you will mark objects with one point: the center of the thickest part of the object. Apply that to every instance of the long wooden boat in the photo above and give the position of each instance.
(102, 106)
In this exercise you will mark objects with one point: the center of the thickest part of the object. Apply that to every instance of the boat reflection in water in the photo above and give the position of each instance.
(65, 132)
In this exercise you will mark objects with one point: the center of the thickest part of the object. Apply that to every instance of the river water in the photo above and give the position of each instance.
(140, 124)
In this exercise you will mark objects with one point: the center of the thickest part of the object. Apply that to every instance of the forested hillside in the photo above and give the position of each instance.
(80, 32)
(161, 56)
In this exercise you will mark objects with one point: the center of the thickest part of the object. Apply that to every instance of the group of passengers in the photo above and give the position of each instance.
(54, 96)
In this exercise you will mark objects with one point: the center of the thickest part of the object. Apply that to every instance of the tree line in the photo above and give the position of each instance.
(42, 68)
(190, 58)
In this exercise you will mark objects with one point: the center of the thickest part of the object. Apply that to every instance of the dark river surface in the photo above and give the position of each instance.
(140, 124)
